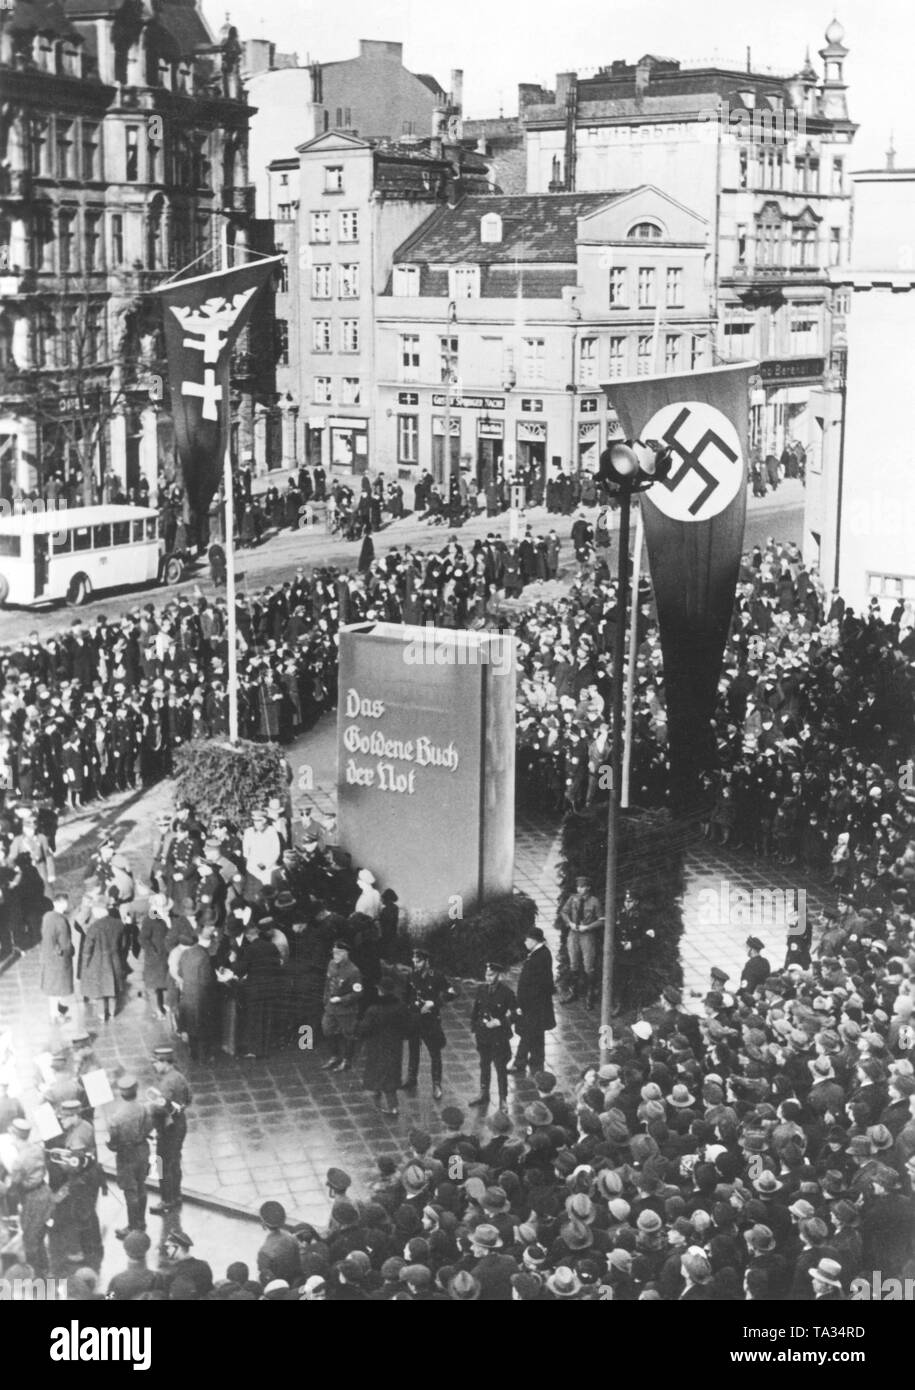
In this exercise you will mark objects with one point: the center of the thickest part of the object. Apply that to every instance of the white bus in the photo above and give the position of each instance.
(72, 552)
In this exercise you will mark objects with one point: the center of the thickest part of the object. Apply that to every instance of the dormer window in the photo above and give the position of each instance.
(406, 281)
(491, 228)
(464, 282)
(645, 231)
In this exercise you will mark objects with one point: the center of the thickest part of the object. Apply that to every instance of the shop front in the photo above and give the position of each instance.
(348, 445)
(531, 451)
(588, 446)
(490, 451)
(440, 474)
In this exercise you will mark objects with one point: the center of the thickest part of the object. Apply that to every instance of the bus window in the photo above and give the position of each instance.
(137, 530)
(120, 533)
(11, 546)
(63, 542)
(82, 540)
(101, 537)
(151, 530)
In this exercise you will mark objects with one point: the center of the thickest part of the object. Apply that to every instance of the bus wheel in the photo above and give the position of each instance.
(174, 570)
(79, 590)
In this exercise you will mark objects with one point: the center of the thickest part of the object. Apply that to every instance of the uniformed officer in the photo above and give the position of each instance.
(494, 1013)
(129, 1127)
(84, 1060)
(757, 969)
(170, 1120)
(76, 1179)
(63, 1085)
(427, 992)
(342, 992)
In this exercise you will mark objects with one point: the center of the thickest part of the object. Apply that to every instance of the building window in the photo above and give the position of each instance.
(132, 141)
(91, 163)
(408, 439)
(838, 176)
(320, 335)
(744, 175)
(350, 391)
(645, 354)
(409, 356)
(406, 281)
(741, 243)
(674, 287)
(323, 390)
(645, 231)
(282, 343)
(319, 227)
(284, 212)
(618, 287)
(203, 241)
(117, 239)
(349, 226)
(617, 356)
(533, 361)
(696, 351)
(448, 358)
(92, 238)
(647, 297)
(321, 281)
(587, 362)
(64, 150)
(95, 331)
(803, 245)
(835, 246)
(333, 178)
(672, 352)
(349, 335)
(348, 281)
(769, 243)
(804, 330)
(465, 282)
(284, 180)
(65, 228)
(737, 330)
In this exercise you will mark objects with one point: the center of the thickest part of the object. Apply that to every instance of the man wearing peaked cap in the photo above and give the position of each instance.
(757, 969)
(129, 1127)
(170, 1118)
(278, 1257)
(494, 1012)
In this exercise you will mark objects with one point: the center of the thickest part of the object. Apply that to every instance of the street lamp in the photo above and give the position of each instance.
(627, 466)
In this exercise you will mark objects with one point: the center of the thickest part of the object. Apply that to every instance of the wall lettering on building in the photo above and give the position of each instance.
(397, 759)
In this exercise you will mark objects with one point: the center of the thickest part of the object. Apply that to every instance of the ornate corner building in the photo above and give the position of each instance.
(123, 158)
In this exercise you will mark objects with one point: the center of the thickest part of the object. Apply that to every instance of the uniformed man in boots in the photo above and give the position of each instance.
(342, 994)
(427, 992)
(170, 1121)
(84, 1060)
(129, 1127)
(494, 1013)
(582, 915)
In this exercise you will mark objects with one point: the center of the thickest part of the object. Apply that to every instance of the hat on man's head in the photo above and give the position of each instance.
(163, 1053)
(754, 944)
(827, 1272)
(127, 1083)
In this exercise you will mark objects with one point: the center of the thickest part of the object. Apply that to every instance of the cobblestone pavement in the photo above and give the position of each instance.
(271, 1128)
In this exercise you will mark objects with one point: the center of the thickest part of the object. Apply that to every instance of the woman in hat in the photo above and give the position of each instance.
(384, 1025)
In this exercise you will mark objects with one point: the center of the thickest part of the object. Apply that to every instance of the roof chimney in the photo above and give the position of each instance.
(457, 89)
(891, 154)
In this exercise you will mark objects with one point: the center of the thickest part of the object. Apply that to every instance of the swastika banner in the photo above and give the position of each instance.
(202, 318)
(694, 526)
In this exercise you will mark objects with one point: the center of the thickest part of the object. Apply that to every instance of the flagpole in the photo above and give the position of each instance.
(229, 528)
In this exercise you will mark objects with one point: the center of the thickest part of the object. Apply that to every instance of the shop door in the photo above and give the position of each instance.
(438, 458)
(489, 461)
(532, 459)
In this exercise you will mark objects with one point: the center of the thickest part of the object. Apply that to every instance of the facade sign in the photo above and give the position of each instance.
(532, 407)
(491, 429)
(589, 406)
(792, 369)
(530, 432)
(470, 402)
(408, 398)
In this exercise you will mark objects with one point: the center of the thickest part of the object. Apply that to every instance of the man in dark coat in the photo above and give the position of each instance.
(198, 1009)
(427, 992)
(535, 1002)
(101, 969)
(757, 969)
(170, 1119)
(384, 1026)
(56, 957)
(494, 1012)
(260, 971)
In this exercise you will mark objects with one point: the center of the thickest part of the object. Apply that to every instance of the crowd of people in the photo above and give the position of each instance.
(763, 1150)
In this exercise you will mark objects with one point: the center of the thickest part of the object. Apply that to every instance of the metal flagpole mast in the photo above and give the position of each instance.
(229, 527)
(634, 600)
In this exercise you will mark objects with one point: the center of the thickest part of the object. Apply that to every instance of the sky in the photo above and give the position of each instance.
(499, 44)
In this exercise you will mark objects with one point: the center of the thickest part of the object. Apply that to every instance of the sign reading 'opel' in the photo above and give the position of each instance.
(708, 466)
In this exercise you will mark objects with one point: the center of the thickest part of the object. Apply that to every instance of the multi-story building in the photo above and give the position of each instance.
(762, 158)
(123, 157)
(373, 96)
(504, 315)
(341, 209)
(860, 513)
